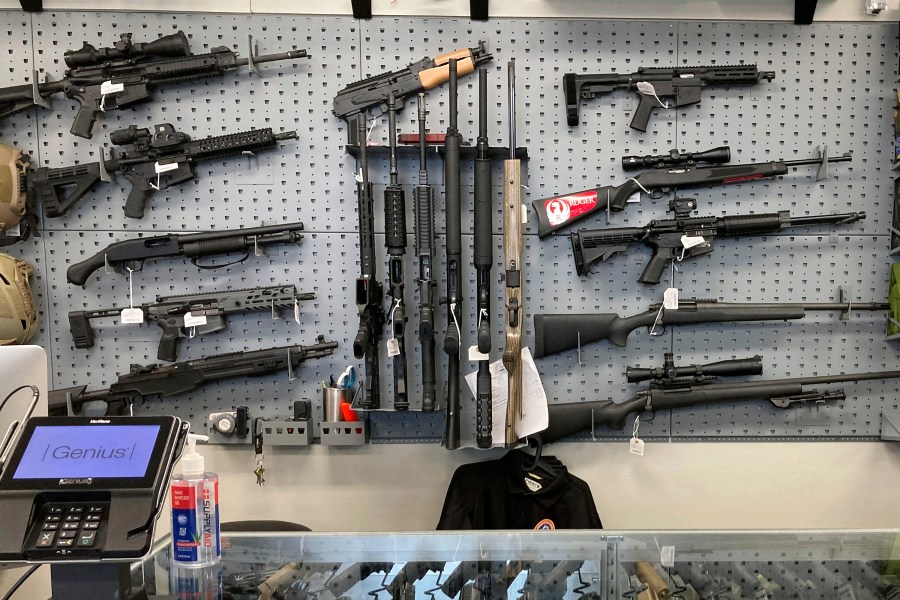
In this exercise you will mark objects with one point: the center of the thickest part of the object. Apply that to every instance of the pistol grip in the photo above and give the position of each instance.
(168, 345)
(654, 269)
(85, 118)
(138, 197)
(643, 111)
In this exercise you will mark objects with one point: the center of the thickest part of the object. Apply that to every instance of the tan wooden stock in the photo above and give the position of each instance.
(655, 584)
(512, 260)
(438, 75)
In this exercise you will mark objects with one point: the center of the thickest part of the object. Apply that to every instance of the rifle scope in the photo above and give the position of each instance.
(669, 372)
(674, 158)
(167, 46)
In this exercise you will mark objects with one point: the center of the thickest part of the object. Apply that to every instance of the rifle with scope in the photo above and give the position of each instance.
(131, 254)
(683, 84)
(555, 333)
(674, 158)
(425, 250)
(143, 382)
(695, 385)
(153, 161)
(192, 314)
(123, 76)
(562, 211)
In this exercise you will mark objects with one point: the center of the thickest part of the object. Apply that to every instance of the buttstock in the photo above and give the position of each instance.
(79, 273)
(58, 190)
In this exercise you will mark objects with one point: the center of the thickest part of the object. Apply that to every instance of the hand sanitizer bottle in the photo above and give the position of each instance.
(195, 510)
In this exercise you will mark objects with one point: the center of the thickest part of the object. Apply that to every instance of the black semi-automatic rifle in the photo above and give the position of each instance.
(369, 290)
(426, 253)
(695, 385)
(124, 75)
(562, 211)
(192, 314)
(154, 161)
(131, 254)
(143, 382)
(555, 333)
(683, 238)
(483, 261)
(454, 266)
(352, 102)
(395, 242)
(684, 84)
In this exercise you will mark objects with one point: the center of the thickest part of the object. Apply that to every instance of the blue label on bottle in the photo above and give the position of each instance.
(184, 523)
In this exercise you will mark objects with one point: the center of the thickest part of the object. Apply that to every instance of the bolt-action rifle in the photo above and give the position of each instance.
(153, 161)
(352, 102)
(555, 333)
(124, 75)
(143, 382)
(683, 238)
(696, 385)
(685, 84)
(192, 314)
(562, 211)
(131, 254)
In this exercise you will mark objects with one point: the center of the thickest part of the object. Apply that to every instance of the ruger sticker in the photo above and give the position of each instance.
(565, 208)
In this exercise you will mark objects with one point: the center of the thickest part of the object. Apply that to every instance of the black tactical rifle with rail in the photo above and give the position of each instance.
(683, 84)
(153, 161)
(144, 382)
(562, 211)
(124, 75)
(695, 385)
(192, 315)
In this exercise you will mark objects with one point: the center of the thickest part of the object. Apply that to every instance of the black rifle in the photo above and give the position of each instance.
(204, 313)
(555, 333)
(454, 265)
(142, 382)
(124, 75)
(369, 291)
(483, 261)
(693, 386)
(680, 239)
(561, 211)
(131, 254)
(155, 161)
(352, 102)
(674, 158)
(395, 242)
(651, 83)
(425, 252)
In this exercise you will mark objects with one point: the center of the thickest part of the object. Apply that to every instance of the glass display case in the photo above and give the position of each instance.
(570, 565)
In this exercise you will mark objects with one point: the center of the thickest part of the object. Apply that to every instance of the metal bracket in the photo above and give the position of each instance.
(822, 172)
(890, 426)
(252, 52)
(35, 91)
(845, 295)
(104, 174)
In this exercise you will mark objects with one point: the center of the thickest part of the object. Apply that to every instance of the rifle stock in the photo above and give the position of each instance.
(60, 189)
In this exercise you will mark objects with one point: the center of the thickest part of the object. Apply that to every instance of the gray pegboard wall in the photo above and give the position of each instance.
(833, 85)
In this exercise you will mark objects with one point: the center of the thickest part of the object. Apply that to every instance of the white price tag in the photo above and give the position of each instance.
(296, 311)
(667, 556)
(645, 87)
(670, 299)
(524, 214)
(130, 316)
(475, 355)
(636, 446)
(635, 197)
(191, 320)
(393, 347)
(15, 231)
(163, 168)
(689, 241)
(108, 87)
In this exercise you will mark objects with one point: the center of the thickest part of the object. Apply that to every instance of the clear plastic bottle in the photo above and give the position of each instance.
(195, 511)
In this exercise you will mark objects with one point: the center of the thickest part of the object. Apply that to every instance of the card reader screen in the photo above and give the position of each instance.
(97, 451)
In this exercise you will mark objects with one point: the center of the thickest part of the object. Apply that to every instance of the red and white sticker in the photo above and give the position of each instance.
(565, 208)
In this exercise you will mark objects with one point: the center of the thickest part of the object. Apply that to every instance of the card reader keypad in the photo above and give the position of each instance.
(64, 526)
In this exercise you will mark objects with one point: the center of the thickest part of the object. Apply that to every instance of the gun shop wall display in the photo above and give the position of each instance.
(806, 132)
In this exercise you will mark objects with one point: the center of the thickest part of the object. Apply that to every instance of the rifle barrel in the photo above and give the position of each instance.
(845, 157)
(825, 219)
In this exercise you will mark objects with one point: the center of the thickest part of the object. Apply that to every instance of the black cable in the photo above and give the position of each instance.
(33, 389)
(27, 573)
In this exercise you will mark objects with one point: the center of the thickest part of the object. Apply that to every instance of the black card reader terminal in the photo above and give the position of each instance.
(86, 489)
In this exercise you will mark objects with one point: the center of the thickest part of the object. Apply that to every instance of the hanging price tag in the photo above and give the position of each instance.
(524, 214)
(131, 316)
(689, 241)
(296, 311)
(191, 320)
(475, 355)
(670, 299)
(667, 556)
(166, 167)
(108, 87)
(636, 446)
(393, 347)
